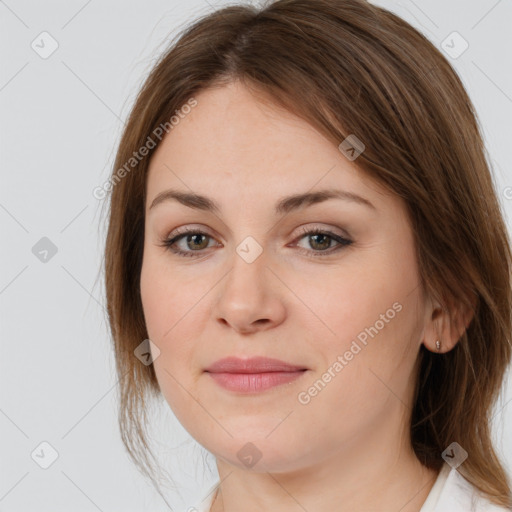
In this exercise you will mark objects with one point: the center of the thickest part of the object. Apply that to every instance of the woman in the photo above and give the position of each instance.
(307, 259)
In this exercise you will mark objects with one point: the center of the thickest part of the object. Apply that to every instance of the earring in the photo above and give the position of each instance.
(438, 345)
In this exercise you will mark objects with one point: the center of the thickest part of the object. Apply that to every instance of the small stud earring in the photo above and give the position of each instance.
(438, 345)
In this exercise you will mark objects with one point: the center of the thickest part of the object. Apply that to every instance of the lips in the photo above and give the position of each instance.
(252, 365)
(253, 375)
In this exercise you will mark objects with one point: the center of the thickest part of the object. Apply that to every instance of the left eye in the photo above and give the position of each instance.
(320, 241)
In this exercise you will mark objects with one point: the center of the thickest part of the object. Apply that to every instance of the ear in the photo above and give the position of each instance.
(446, 325)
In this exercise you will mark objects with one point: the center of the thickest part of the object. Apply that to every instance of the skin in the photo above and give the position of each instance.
(348, 449)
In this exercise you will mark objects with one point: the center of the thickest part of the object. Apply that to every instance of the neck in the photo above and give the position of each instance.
(365, 484)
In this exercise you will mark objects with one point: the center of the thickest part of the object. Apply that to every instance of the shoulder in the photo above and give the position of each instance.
(459, 495)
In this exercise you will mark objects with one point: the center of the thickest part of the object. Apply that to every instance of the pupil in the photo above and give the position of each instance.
(326, 239)
(195, 236)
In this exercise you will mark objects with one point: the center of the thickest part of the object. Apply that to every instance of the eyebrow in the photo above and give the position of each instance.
(283, 206)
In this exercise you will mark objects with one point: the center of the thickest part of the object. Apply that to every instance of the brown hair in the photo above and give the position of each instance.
(346, 67)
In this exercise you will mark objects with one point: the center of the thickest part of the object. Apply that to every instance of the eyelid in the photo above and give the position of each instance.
(303, 229)
(191, 229)
(308, 228)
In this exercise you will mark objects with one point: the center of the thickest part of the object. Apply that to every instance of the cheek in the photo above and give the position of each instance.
(162, 313)
(154, 300)
(171, 311)
(366, 371)
(165, 298)
(368, 310)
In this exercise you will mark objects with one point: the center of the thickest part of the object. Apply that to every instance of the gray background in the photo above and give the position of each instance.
(61, 118)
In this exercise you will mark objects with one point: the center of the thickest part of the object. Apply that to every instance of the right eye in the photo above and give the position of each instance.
(192, 238)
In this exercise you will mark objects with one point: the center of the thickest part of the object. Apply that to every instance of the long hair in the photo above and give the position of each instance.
(345, 67)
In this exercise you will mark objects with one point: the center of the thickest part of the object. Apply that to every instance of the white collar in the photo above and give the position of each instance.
(453, 493)
(437, 490)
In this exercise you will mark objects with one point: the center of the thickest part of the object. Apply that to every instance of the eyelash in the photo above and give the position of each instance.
(343, 242)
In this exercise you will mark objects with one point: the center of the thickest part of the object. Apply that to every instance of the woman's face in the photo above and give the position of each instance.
(350, 315)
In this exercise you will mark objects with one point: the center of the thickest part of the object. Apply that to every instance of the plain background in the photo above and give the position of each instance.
(61, 118)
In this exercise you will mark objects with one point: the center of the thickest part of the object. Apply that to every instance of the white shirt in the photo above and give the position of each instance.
(451, 492)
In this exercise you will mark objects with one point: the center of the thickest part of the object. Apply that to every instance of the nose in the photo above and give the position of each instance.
(251, 296)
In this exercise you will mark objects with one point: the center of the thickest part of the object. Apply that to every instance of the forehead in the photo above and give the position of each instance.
(233, 141)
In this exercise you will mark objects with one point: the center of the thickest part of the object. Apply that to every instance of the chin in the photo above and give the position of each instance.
(253, 449)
